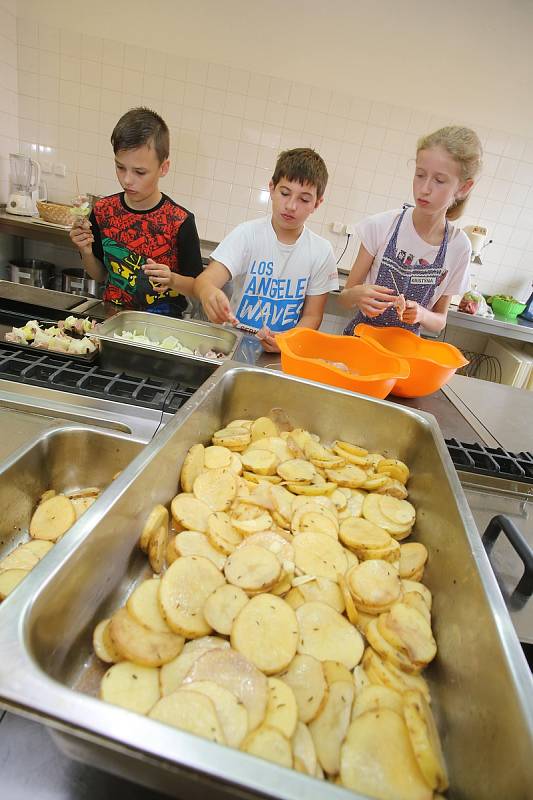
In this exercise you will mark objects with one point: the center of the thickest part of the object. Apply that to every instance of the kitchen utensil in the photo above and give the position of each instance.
(24, 179)
(32, 272)
(313, 355)
(76, 281)
(431, 364)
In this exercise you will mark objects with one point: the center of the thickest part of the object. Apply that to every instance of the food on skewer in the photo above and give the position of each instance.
(400, 306)
(81, 207)
(71, 335)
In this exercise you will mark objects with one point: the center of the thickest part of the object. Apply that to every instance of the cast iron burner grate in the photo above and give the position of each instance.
(51, 372)
(492, 461)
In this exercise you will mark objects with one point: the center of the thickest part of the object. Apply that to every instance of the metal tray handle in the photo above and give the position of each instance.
(502, 524)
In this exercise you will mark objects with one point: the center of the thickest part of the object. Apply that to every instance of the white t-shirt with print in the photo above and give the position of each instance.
(376, 231)
(272, 279)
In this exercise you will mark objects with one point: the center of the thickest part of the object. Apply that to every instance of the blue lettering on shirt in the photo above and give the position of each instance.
(275, 302)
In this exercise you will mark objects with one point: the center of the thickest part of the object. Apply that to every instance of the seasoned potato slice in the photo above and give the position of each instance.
(306, 678)
(157, 548)
(231, 713)
(52, 518)
(405, 627)
(157, 518)
(401, 512)
(193, 465)
(262, 428)
(190, 512)
(375, 585)
(303, 749)
(425, 740)
(413, 557)
(351, 611)
(320, 555)
(350, 476)
(266, 633)
(296, 470)
(221, 533)
(361, 535)
(234, 438)
(348, 447)
(82, 504)
(387, 650)
(102, 645)
(253, 569)
(173, 674)
(329, 728)
(394, 469)
(372, 511)
(22, 557)
(385, 673)
(131, 686)
(262, 462)
(273, 541)
(195, 543)
(135, 642)
(185, 587)
(253, 524)
(216, 457)
(317, 522)
(322, 590)
(416, 586)
(216, 490)
(143, 605)
(377, 759)
(9, 580)
(223, 606)
(270, 744)
(374, 697)
(282, 711)
(189, 711)
(328, 636)
(235, 673)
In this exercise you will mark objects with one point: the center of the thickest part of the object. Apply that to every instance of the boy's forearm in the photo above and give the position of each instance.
(94, 267)
(182, 284)
(310, 321)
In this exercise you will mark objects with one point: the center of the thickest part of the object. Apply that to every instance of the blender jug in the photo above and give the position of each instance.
(25, 176)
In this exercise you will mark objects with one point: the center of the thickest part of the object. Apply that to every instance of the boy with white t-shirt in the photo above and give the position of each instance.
(281, 271)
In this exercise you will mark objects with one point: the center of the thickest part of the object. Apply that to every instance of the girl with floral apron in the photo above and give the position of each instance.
(415, 281)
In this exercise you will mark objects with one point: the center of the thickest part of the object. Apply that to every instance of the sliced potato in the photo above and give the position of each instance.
(47, 495)
(234, 438)
(270, 744)
(320, 555)
(22, 557)
(374, 585)
(319, 523)
(157, 548)
(103, 649)
(216, 457)
(231, 712)
(282, 711)
(195, 543)
(185, 587)
(221, 533)
(262, 462)
(136, 643)
(82, 504)
(406, 628)
(413, 557)
(131, 686)
(189, 711)
(253, 569)
(266, 633)
(235, 673)
(349, 476)
(401, 512)
(323, 590)
(263, 427)
(9, 580)
(374, 697)
(329, 728)
(361, 535)
(52, 518)
(296, 470)
(157, 517)
(306, 678)
(351, 611)
(303, 749)
(328, 636)
(217, 491)
(425, 740)
(223, 606)
(372, 512)
(190, 512)
(173, 674)
(394, 469)
(254, 524)
(143, 605)
(193, 465)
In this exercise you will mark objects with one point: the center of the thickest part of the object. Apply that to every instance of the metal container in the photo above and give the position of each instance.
(32, 272)
(480, 682)
(76, 281)
(65, 458)
(143, 359)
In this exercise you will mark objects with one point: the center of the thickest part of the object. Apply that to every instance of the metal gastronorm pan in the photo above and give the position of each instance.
(145, 359)
(480, 681)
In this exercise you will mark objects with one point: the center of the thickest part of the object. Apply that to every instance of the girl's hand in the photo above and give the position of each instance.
(268, 342)
(159, 274)
(81, 235)
(413, 313)
(372, 299)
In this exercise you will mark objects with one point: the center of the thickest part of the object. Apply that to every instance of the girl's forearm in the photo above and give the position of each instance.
(433, 321)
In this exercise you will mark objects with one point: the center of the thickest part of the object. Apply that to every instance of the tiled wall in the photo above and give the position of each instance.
(8, 91)
(227, 126)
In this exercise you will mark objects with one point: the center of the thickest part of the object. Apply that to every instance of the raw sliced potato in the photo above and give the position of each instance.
(372, 512)
(221, 533)
(386, 650)
(52, 518)
(189, 711)
(374, 697)
(328, 636)
(9, 580)
(303, 749)
(374, 585)
(235, 673)
(385, 673)
(234, 438)
(82, 504)
(376, 759)
(282, 711)
(253, 569)
(351, 611)
(22, 557)
(217, 491)
(103, 649)
(329, 728)
(262, 428)
(319, 523)
(350, 476)
(134, 642)
(223, 606)
(47, 495)
(254, 524)
(157, 518)
(406, 628)
(320, 555)
(266, 633)
(295, 470)
(185, 587)
(131, 686)
(270, 744)
(401, 512)
(305, 676)
(360, 535)
(240, 423)
(394, 469)
(323, 590)
(413, 557)
(311, 490)
(231, 712)
(425, 740)
(216, 457)
(190, 512)
(262, 462)
(195, 543)
(143, 606)
(157, 548)
(174, 673)
(348, 447)
(193, 465)
(416, 586)
(87, 491)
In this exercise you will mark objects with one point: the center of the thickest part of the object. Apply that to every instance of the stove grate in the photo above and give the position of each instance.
(493, 461)
(43, 369)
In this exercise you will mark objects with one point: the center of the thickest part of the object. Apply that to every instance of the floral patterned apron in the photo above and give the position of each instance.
(415, 281)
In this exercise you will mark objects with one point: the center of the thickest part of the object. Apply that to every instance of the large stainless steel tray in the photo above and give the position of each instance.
(481, 684)
(145, 359)
(66, 459)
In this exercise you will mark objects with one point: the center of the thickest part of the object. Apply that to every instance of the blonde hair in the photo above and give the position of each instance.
(464, 147)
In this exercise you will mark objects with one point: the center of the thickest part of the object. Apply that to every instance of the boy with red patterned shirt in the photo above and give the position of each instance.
(140, 242)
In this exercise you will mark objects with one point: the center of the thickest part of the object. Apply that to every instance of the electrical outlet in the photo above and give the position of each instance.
(60, 169)
(349, 230)
(46, 166)
(336, 227)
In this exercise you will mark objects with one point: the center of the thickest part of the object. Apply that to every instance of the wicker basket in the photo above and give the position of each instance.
(58, 213)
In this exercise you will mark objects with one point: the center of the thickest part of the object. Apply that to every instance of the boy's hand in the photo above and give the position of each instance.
(372, 299)
(217, 307)
(160, 275)
(268, 341)
(413, 313)
(81, 235)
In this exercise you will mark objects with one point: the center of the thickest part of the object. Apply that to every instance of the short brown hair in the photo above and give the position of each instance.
(140, 126)
(304, 166)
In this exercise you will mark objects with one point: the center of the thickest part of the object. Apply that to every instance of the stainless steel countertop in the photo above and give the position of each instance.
(499, 326)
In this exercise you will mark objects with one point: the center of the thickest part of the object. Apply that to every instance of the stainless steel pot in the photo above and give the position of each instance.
(76, 281)
(32, 272)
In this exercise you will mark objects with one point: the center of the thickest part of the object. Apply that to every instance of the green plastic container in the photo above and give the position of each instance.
(507, 308)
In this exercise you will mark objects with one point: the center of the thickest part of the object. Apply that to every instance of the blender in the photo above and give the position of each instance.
(24, 179)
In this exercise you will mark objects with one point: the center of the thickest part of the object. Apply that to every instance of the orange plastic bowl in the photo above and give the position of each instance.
(432, 364)
(372, 370)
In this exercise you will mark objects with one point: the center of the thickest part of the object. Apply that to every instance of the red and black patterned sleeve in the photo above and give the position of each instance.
(98, 250)
(188, 248)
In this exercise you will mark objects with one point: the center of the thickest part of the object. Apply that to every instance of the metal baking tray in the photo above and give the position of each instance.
(145, 359)
(10, 318)
(481, 684)
(66, 459)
